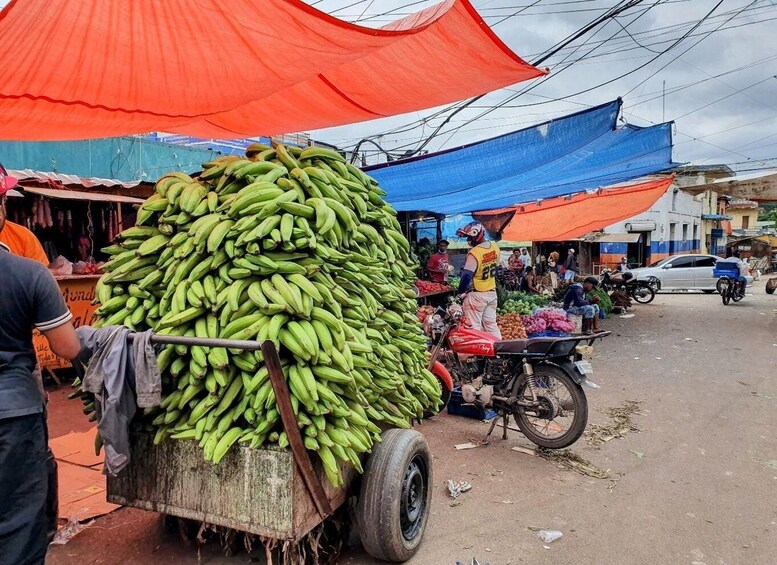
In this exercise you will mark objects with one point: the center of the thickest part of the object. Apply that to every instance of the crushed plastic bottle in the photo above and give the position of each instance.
(549, 535)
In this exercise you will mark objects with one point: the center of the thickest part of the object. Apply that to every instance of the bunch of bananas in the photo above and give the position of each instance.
(289, 245)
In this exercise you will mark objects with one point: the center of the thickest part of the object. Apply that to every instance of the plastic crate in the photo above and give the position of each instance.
(457, 407)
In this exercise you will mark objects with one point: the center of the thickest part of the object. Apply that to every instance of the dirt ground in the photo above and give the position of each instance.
(696, 484)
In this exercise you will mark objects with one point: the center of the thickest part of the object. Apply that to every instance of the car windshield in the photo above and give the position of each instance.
(659, 263)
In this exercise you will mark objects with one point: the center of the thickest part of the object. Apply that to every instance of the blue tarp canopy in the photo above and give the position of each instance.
(578, 152)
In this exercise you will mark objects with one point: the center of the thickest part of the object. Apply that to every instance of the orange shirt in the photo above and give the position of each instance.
(22, 242)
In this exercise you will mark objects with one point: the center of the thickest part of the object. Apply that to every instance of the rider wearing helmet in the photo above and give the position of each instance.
(480, 273)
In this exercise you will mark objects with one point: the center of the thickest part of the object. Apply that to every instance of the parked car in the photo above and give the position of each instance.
(682, 272)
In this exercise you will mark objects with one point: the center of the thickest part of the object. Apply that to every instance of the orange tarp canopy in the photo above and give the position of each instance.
(563, 218)
(77, 69)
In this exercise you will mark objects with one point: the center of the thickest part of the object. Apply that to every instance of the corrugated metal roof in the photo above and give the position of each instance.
(65, 194)
(88, 182)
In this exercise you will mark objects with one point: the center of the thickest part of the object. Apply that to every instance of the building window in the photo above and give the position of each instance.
(685, 232)
(745, 222)
(695, 232)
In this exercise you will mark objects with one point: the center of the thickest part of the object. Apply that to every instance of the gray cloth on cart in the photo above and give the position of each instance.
(118, 373)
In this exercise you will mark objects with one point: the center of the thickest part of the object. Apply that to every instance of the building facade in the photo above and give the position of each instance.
(677, 223)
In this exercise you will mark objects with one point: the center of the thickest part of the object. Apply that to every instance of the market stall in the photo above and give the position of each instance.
(73, 218)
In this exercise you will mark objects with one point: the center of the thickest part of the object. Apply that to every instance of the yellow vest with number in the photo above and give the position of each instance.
(485, 275)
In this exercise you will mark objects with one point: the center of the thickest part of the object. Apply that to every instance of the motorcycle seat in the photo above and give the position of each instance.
(516, 346)
(510, 346)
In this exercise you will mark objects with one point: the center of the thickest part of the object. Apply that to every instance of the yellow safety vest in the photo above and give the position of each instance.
(488, 259)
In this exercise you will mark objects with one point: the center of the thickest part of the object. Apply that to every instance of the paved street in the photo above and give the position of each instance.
(696, 484)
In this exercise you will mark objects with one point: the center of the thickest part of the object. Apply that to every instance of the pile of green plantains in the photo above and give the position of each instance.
(294, 246)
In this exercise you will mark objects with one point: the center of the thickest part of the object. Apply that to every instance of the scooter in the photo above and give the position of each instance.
(641, 291)
(538, 381)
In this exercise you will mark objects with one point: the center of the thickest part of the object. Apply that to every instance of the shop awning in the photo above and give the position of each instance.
(578, 152)
(78, 69)
(565, 218)
(44, 177)
(65, 194)
(760, 187)
(617, 237)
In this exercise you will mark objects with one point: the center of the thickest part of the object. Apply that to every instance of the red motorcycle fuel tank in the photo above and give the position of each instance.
(471, 342)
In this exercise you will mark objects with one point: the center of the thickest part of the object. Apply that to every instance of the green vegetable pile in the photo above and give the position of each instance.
(604, 300)
(517, 302)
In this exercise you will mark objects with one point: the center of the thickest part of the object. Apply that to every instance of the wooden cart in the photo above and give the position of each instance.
(279, 493)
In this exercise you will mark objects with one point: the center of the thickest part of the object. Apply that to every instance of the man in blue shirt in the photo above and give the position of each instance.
(29, 298)
(576, 303)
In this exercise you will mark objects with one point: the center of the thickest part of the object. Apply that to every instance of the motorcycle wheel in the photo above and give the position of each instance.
(725, 291)
(558, 394)
(643, 294)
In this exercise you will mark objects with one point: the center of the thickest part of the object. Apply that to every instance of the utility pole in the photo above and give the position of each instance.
(663, 103)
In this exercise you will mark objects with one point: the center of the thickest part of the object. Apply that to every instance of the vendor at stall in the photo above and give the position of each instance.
(18, 239)
(437, 265)
(575, 303)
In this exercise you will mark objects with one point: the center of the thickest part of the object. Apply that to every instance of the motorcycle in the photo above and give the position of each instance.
(730, 288)
(641, 291)
(538, 381)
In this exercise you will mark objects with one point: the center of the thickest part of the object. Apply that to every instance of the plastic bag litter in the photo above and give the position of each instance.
(549, 535)
(70, 530)
(456, 488)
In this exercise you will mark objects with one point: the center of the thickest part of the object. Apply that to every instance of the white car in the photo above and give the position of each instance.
(682, 272)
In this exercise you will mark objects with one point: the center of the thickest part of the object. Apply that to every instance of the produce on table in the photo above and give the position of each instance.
(454, 282)
(518, 302)
(424, 312)
(548, 319)
(511, 326)
(294, 246)
(429, 287)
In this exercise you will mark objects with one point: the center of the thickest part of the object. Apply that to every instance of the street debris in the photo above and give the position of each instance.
(70, 530)
(549, 536)
(473, 562)
(638, 454)
(524, 450)
(455, 489)
(468, 445)
(619, 426)
(626, 316)
(759, 395)
(567, 459)
(772, 463)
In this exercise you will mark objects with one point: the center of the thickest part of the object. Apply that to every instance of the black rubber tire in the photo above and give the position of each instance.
(651, 294)
(770, 289)
(725, 293)
(579, 402)
(719, 286)
(402, 459)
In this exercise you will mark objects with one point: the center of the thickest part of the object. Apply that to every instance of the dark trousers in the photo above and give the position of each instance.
(23, 490)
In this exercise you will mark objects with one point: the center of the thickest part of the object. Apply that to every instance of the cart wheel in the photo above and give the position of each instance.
(393, 506)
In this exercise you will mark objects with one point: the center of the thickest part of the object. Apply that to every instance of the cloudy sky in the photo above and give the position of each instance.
(719, 80)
